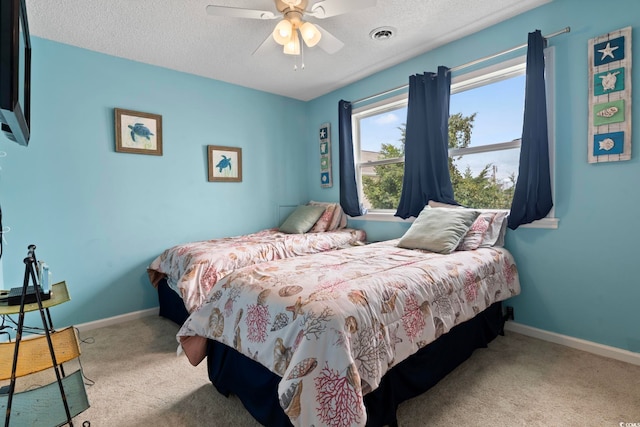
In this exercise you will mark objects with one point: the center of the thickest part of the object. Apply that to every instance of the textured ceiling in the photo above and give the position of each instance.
(180, 35)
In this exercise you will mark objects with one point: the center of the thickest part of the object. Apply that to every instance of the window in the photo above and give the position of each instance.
(485, 125)
(379, 153)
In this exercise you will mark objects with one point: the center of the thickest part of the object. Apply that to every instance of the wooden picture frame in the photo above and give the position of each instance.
(225, 163)
(137, 132)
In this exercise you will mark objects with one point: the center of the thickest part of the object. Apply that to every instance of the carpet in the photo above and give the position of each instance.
(139, 381)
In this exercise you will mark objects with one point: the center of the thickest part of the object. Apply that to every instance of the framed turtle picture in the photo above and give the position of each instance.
(137, 132)
(225, 163)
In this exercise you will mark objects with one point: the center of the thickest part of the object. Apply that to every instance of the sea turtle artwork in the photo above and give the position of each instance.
(224, 163)
(609, 80)
(140, 130)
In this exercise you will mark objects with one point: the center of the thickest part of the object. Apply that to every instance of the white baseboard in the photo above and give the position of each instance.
(577, 343)
(109, 321)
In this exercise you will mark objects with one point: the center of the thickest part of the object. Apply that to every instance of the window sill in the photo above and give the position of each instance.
(543, 223)
(381, 216)
(387, 216)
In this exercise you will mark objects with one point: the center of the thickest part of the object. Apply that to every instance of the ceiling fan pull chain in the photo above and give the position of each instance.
(301, 55)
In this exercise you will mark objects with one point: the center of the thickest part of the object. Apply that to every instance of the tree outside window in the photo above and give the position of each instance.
(484, 146)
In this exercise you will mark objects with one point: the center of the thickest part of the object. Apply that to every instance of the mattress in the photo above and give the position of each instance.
(330, 325)
(192, 269)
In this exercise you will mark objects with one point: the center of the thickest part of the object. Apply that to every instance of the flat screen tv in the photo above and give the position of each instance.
(15, 71)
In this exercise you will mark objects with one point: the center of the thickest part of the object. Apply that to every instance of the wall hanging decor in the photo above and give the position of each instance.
(610, 97)
(324, 135)
(138, 133)
(225, 163)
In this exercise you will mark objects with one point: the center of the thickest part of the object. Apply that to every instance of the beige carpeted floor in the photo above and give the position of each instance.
(517, 381)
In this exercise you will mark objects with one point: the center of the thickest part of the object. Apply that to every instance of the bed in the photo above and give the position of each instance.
(184, 274)
(342, 337)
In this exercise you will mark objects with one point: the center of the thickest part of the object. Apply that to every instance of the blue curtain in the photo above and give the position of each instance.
(348, 188)
(532, 197)
(426, 157)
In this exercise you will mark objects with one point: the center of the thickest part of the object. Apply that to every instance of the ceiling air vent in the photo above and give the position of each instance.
(382, 33)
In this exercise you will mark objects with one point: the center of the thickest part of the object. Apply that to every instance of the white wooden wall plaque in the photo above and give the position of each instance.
(610, 97)
(324, 135)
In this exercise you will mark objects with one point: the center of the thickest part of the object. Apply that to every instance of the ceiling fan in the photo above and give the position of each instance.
(292, 27)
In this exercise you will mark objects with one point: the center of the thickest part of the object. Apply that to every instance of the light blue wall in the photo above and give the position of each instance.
(580, 280)
(99, 217)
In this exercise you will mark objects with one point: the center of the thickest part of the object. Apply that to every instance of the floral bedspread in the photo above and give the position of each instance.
(332, 324)
(192, 269)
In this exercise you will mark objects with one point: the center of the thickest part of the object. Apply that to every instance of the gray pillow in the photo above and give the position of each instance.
(302, 219)
(438, 230)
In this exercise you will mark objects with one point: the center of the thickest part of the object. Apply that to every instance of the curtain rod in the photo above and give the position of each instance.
(468, 64)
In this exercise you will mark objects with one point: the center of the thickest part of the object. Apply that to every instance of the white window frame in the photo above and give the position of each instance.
(379, 107)
(480, 77)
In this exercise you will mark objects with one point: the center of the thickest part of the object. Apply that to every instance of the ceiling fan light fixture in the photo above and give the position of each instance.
(292, 3)
(283, 31)
(292, 47)
(310, 34)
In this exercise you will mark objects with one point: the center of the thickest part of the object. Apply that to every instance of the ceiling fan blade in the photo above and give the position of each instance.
(327, 8)
(266, 44)
(238, 12)
(328, 42)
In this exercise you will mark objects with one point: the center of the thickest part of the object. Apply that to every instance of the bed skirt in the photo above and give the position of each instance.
(171, 305)
(257, 387)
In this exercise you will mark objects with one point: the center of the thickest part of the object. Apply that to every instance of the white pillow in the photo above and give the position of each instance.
(494, 236)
